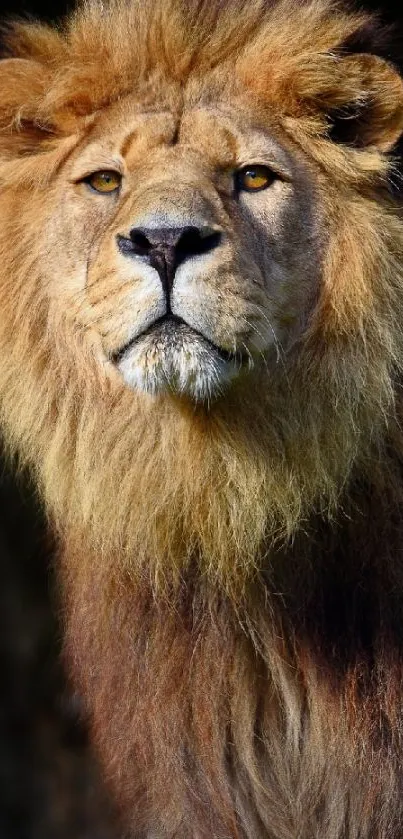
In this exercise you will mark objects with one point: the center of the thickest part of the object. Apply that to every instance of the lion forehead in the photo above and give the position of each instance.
(223, 135)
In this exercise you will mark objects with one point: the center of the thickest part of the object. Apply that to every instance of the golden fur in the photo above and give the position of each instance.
(230, 550)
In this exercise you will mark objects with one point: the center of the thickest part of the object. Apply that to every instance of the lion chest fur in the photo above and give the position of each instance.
(201, 292)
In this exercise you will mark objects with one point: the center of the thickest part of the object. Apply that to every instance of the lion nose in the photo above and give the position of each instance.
(165, 248)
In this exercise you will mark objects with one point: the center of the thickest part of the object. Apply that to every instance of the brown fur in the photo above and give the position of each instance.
(231, 571)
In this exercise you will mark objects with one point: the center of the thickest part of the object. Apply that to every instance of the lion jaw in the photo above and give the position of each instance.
(172, 357)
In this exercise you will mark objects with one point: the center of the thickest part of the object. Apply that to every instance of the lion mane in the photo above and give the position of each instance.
(230, 569)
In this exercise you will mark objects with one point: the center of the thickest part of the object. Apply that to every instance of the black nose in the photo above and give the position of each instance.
(165, 248)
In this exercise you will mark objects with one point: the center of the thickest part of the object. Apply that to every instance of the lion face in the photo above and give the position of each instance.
(187, 242)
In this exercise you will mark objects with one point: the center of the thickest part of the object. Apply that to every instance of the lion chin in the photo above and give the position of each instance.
(172, 357)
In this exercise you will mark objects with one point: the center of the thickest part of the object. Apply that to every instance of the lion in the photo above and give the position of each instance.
(201, 357)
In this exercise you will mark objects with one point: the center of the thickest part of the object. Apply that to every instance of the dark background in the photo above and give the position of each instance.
(49, 782)
(51, 11)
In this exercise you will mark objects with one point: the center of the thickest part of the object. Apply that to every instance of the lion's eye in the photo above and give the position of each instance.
(254, 178)
(107, 181)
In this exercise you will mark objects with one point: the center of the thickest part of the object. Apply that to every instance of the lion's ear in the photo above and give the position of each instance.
(364, 104)
(22, 84)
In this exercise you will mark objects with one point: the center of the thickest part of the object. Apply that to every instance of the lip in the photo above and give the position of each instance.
(225, 355)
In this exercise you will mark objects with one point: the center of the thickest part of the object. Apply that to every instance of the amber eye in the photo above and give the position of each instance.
(254, 178)
(107, 181)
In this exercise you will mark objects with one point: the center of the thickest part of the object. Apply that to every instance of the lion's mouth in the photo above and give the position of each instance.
(173, 326)
(172, 357)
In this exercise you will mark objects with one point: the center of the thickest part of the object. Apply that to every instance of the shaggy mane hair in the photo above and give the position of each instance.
(231, 573)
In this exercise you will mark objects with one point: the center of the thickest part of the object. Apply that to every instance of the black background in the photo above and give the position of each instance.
(49, 10)
(49, 784)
